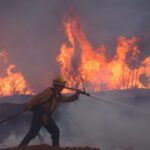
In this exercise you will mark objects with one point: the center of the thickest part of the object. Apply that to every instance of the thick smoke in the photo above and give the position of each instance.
(88, 122)
(93, 123)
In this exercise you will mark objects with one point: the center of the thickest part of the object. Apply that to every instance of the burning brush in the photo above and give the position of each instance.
(81, 64)
(11, 82)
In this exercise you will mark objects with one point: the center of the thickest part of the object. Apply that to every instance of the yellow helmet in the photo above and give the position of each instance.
(59, 80)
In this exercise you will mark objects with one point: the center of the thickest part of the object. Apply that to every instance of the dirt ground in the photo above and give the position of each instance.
(47, 147)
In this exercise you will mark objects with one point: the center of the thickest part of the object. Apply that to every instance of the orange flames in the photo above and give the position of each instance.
(82, 65)
(11, 82)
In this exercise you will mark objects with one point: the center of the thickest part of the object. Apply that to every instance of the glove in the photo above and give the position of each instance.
(77, 93)
(82, 92)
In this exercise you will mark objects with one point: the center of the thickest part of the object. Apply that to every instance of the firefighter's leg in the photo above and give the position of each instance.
(34, 129)
(53, 130)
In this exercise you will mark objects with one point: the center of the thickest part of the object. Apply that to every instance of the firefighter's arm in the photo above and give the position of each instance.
(71, 98)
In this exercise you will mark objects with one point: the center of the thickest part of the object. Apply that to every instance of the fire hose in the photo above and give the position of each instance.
(70, 88)
(12, 116)
(84, 93)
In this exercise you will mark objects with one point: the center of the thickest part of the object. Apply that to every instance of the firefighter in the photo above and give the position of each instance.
(43, 105)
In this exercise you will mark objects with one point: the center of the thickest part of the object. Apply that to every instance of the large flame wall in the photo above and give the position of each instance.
(81, 64)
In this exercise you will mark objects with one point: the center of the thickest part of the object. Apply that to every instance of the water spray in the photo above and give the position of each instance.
(108, 101)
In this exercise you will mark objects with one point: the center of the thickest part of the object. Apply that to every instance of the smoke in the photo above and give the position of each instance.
(88, 122)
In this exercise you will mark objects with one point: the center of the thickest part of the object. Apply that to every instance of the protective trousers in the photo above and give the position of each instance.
(37, 123)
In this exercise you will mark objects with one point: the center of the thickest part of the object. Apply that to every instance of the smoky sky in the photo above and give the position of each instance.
(32, 30)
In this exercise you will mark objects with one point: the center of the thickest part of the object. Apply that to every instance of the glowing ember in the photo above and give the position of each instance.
(11, 82)
(81, 64)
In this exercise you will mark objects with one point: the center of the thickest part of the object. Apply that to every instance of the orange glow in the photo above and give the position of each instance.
(11, 82)
(82, 65)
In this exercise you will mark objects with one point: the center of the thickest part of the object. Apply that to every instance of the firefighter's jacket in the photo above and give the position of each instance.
(49, 100)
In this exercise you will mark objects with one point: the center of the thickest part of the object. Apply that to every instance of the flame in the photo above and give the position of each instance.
(82, 65)
(11, 82)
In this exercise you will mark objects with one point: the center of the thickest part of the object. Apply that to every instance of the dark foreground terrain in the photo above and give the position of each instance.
(47, 147)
